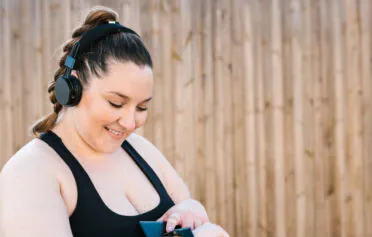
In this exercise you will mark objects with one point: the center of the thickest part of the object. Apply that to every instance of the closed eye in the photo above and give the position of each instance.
(119, 106)
(141, 109)
(115, 105)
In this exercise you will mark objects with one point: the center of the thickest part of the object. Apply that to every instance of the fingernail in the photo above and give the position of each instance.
(170, 228)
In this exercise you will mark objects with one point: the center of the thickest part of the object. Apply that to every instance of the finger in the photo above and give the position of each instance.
(174, 219)
(187, 222)
(165, 216)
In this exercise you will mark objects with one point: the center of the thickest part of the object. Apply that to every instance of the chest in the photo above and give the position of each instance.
(122, 186)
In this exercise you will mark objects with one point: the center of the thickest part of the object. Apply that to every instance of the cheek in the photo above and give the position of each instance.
(102, 113)
(141, 119)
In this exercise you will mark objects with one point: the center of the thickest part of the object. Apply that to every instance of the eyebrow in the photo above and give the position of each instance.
(126, 97)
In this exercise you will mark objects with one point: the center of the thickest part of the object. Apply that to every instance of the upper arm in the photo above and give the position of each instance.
(173, 183)
(31, 203)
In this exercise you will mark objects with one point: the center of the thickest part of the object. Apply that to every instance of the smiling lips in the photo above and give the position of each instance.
(114, 133)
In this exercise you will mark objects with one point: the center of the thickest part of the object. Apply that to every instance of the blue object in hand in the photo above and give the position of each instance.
(157, 229)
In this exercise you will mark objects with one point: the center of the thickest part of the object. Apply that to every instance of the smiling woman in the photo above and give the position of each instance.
(86, 173)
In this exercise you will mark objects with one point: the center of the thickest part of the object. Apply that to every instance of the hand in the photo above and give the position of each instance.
(188, 213)
(210, 230)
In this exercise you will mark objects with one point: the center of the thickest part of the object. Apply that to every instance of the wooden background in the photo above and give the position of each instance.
(263, 106)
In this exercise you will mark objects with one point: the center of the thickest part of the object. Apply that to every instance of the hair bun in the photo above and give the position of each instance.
(96, 16)
(100, 15)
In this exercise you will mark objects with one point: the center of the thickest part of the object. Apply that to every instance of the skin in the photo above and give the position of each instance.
(52, 195)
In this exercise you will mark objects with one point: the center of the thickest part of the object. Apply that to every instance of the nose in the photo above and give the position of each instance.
(128, 120)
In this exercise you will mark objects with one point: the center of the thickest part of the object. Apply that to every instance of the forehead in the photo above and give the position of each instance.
(126, 78)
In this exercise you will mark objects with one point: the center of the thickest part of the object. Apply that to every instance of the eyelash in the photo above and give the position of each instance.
(119, 106)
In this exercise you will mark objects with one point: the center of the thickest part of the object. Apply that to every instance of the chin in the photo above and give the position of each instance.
(109, 146)
(109, 149)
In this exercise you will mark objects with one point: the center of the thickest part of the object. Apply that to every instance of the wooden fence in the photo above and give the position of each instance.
(262, 106)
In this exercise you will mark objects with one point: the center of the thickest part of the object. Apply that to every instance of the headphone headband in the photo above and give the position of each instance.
(89, 37)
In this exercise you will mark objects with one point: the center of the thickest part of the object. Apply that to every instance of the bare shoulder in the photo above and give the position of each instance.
(34, 155)
(30, 200)
(172, 181)
(148, 150)
(149, 153)
(34, 159)
(138, 141)
(152, 155)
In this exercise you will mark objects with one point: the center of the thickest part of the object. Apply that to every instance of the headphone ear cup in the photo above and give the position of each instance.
(68, 90)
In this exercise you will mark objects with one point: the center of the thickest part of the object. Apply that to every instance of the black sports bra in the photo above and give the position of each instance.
(91, 217)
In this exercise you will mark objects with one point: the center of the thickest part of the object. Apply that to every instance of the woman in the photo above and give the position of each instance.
(86, 173)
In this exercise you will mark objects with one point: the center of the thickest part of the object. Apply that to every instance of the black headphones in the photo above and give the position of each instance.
(68, 89)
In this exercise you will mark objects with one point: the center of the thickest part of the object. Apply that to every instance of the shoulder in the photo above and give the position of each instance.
(35, 164)
(30, 156)
(173, 183)
(139, 141)
(30, 193)
(34, 156)
(149, 152)
(145, 147)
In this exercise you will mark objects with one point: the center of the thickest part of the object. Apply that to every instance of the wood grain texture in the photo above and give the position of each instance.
(264, 107)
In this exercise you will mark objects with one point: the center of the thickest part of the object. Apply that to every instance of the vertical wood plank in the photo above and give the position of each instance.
(271, 211)
(169, 81)
(37, 76)
(185, 98)
(328, 95)
(49, 63)
(321, 126)
(146, 12)
(2, 69)
(27, 65)
(339, 74)
(219, 108)
(354, 110)
(198, 113)
(183, 90)
(130, 15)
(8, 144)
(261, 223)
(289, 88)
(2, 62)
(278, 120)
(365, 9)
(158, 102)
(16, 76)
(240, 203)
(299, 94)
(227, 196)
(249, 119)
(210, 184)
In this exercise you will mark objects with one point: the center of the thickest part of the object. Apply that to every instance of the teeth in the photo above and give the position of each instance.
(114, 132)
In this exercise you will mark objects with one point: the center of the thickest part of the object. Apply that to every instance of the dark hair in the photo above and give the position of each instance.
(122, 47)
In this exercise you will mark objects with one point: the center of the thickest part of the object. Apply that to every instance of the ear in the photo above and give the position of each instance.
(73, 72)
